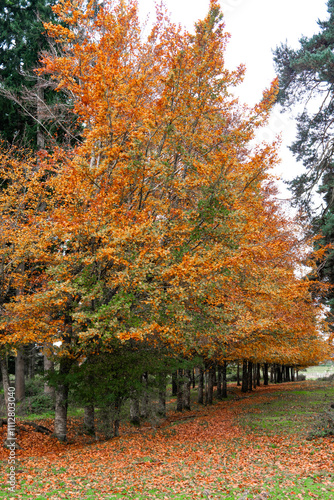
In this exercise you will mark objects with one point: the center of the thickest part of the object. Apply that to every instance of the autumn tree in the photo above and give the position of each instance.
(158, 227)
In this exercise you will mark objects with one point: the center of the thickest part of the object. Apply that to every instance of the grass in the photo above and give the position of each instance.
(292, 411)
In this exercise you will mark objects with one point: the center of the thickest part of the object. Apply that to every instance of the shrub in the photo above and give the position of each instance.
(34, 386)
(38, 404)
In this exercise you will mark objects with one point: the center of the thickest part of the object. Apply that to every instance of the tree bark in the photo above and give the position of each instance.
(144, 399)
(244, 387)
(210, 386)
(224, 391)
(62, 389)
(89, 420)
(48, 367)
(116, 417)
(258, 375)
(179, 404)
(5, 377)
(250, 375)
(19, 375)
(265, 374)
(292, 374)
(193, 378)
(186, 390)
(272, 374)
(162, 395)
(134, 410)
(116, 427)
(30, 358)
(238, 374)
(40, 102)
(174, 383)
(279, 374)
(219, 382)
(200, 397)
(254, 376)
(214, 376)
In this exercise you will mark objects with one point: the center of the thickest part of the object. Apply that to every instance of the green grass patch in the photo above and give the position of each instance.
(291, 411)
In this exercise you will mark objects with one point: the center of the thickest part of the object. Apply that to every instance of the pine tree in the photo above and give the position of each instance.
(307, 75)
(30, 109)
(21, 40)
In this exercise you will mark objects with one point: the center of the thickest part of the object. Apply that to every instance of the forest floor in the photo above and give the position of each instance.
(251, 446)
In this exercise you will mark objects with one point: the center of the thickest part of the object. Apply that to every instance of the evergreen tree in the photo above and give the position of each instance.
(21, 40)
(30, 110)
(307, 75)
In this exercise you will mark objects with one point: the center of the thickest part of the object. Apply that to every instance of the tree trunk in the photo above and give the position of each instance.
(210, 386)
(186, 390)
(265, 374)
(214, 376)
(19, 375)
(116, 427)
(60, 428)
(250, 375)
(89, 420)
(40, 102)
(116, 417)
(162, 395)
(224, 391)
(272, 374)
(5, 377)
(258, 375)
(30, 358)
(179, 405)
(254, 375)
(193, 378)
(279, 374)
(174, 383)
(106, 417)
(292, 374)
(219, 382)
(200, 397)
(244, 387)
(238, 374)
(287, 374)
(134, 410)
(144, 399)
(48, 367)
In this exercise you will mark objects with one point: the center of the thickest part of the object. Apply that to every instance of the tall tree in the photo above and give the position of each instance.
(159, 226)
(30, 111)
(21, 41)
(306, 76)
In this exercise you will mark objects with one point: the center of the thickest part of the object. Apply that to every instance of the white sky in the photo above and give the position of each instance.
(256, 27)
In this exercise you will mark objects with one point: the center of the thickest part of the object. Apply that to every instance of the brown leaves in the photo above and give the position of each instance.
(163, 222)
(209, 451)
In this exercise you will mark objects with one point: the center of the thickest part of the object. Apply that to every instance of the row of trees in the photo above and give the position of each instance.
(158, 230)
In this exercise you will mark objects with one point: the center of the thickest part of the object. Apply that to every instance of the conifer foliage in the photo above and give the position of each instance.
(306, 76)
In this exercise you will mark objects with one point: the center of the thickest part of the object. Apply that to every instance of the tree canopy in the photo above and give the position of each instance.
(162, 224)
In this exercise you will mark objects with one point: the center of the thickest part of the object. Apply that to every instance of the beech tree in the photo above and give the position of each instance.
(160, 226)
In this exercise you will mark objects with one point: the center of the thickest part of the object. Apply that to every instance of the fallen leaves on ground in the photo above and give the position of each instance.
(209, 452)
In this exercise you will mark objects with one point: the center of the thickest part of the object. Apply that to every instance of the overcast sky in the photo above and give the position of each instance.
(256, 27)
